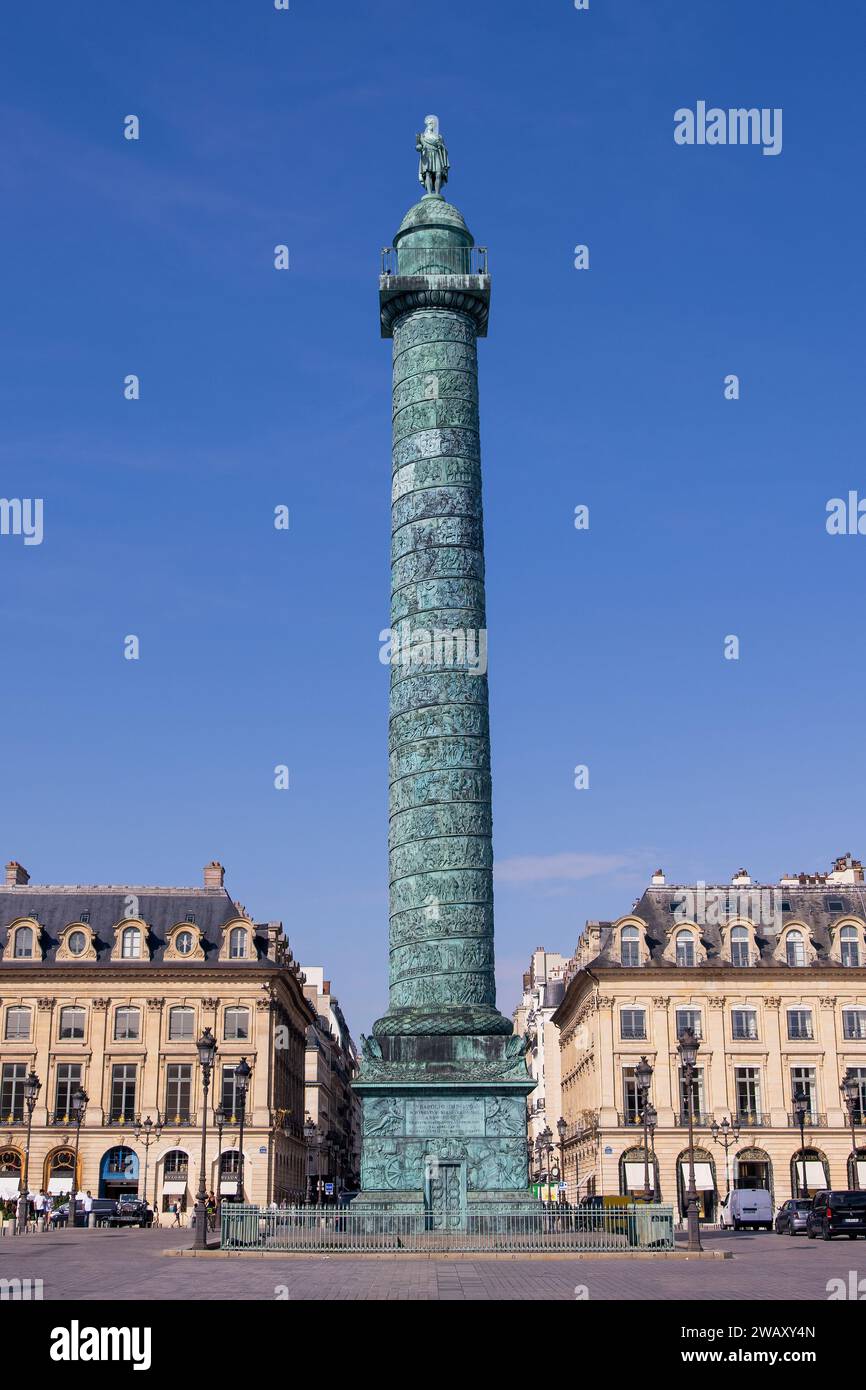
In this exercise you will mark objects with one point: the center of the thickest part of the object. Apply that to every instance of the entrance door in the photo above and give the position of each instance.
(753, 1173)
(446, 1197)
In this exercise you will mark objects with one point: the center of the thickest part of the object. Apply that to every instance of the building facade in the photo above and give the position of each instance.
(333, 1109)
(772, 979)
(108, 988)
(543, 990)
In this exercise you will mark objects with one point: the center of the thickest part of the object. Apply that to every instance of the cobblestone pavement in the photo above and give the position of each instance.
(131, 1265)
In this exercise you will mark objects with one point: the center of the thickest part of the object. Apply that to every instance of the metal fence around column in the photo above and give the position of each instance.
(639, 1226)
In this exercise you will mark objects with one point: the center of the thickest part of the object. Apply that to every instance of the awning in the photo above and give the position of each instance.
(703, 1175)
(815, 1176)
(60, 1184)
(174, 1188)
(635, 1175)
(8, 1187)
(228, 1187)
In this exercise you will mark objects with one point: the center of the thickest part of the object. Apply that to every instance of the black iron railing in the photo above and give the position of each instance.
(434, 260)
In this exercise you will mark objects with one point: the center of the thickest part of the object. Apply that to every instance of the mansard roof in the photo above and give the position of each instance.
(57, 906)
(818, 909)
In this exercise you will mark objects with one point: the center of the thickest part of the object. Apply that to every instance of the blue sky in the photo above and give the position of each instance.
(258, 387)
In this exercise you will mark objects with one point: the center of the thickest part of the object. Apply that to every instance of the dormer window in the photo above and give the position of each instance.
(835, 905)
(740, 955)
(238, 943)
(130, 946)
(76, 943)
(630, 946)
(685, 943)
(23, 944)
(795, 948)
(849, 946)
(183, 943)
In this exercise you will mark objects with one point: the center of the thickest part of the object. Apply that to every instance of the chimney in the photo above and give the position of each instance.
(16, 876)
(741, 879)
(658, 878)
(214, 874)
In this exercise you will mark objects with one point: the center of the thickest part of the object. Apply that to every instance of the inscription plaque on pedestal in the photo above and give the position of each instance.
(444, 1119)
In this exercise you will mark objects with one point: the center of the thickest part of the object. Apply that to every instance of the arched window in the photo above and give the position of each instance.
(72, 1023)
(238, 943)
(183, 943)
(76, 943)
(740, 947)
(237, 1024)
(130, 945)
(175, 1165)
(630, 946)
(685, 948)
(795, 948)
(10, 1173)
(23, 943)
(850, 946)
(18, 1024)
(181, 1024)
(127, 1024)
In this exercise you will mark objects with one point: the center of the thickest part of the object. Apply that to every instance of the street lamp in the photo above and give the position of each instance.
(651, 1122)
(207, 1047)
(643, 1075)
(147, 1132)
(688, 1049)
(726, 1134)
(850, 1088)
(32, 1087)
(78, 1106)
(243, 1072)
(311, 1140)
(219, 1119)
(562, 1130)
(801, 1110)
(546, 1138)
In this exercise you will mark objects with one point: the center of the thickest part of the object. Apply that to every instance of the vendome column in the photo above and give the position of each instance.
(443, 1081)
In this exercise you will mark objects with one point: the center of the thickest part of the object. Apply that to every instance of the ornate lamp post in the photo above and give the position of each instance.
(850, 1088)
(688, 1049)
(78, 1106)
(243, 1072)
(726, 1134)
(311, 1139)
(206, 1052)
(147, 1132)
(801, 1110)
(562, 1130)
(651, 1122)
(546, 1137)
(219, 1119)
(32, 1087)
(643, 1075)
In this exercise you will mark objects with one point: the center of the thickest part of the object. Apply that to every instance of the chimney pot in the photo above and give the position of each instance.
(15, 874)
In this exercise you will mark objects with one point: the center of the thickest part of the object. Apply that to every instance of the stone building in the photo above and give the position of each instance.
(772, 978)
(543, 989)
(108, 988)
(330, 1103)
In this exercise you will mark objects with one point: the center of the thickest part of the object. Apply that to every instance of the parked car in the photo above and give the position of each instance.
(131, 1211)
(837, 1213)
(792, 1216)
(746, 1206)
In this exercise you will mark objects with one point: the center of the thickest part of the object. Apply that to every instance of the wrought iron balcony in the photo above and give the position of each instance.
(434, 260)
(810, 1122)
(700, 1119)
(749, 1119)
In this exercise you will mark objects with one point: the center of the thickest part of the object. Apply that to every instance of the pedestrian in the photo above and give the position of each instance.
(87, 1206)
(175, 1211)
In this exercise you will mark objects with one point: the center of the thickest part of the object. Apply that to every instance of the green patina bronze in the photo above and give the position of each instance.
(443, 1080)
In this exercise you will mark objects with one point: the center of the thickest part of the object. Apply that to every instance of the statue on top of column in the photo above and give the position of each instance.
(433, 165)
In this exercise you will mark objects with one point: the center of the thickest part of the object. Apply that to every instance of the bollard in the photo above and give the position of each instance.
(91, 1220)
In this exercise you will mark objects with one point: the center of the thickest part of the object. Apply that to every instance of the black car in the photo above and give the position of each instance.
(131, 1211)
(837, 1214)
(792, 1216)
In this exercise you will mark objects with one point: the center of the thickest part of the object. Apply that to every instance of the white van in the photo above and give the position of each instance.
(747, 1206)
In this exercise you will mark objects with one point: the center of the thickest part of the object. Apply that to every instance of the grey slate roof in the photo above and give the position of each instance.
(56, 907)
(811, 906)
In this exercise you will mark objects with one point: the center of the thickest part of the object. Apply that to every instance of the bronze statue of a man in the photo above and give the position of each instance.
(433, 165)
